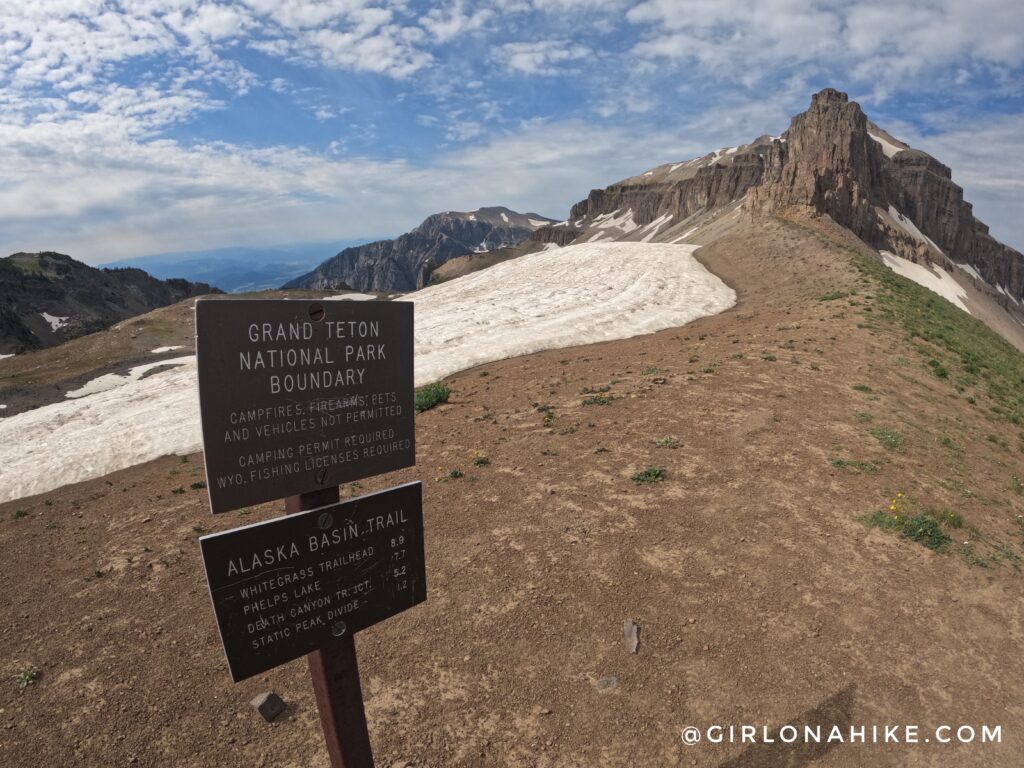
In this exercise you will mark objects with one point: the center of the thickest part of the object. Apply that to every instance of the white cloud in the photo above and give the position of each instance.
(887, 44)
(99, 196)
(452, 22)
(544, 57)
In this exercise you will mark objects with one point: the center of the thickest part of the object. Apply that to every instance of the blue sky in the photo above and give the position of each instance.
(148, 126)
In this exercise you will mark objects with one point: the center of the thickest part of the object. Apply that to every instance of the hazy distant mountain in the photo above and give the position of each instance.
(48, 298)
(405, 263)
(240, 268)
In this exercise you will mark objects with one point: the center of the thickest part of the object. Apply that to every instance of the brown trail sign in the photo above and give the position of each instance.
(286, 587)
(296, 396)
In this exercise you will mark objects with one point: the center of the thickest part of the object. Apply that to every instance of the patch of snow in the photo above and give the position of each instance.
(969, 269)
(110, 381)
(1007, 294)
(547, 300)
(3, 407)
(562, 223)
(578, 222)
(352, 297)
(888, 148)
(161, 350)
(610, 220)
(550, 247)
(942, 283)
(685, 235)
(504, 218)
(539, 223)
(650, 230)
(676, 165)
(910, 228)
(4, 357)
(472, 217)
(56, 323)
(649, 173)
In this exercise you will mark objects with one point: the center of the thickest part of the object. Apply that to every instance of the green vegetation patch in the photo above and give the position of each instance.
(858, 467)
(890, 438)
(649, 475)
(922, 528)
(430, 395)
(985, 359)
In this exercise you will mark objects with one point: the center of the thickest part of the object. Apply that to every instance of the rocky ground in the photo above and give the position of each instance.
(761, 594)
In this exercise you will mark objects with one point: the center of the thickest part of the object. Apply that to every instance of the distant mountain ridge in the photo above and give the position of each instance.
(238, 268)
(48, 298)
(406, 263)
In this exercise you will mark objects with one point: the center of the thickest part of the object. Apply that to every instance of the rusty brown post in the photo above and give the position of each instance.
(335, 673)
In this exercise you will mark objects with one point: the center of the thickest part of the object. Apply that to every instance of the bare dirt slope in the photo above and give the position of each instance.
(762, 595)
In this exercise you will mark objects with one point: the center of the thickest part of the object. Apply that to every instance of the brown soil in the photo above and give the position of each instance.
(761, 595)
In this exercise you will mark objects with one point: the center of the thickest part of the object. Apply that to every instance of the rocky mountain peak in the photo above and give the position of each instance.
(407, 262)
(829, 162)
(832, 160)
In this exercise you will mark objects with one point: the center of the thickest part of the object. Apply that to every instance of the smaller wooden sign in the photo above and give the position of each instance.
(289, 586)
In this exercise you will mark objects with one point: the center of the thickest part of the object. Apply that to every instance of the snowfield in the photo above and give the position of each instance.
(942, 283)
(566, 297)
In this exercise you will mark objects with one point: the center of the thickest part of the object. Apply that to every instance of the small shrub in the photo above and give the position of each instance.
(198, 486)
(26, 677)
(649, 475)
(890, 438)
(480, 460)
(862, 388)
(997, 440)
(921, 528)
(455, 474)
(865, 467)
(598, 400)
(667, 442)
(833, 296)
(769, 358)
(430, 395)
(179, 489)
(938, 370)
(18, 514)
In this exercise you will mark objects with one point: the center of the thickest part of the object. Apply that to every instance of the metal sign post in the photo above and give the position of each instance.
(334, 670)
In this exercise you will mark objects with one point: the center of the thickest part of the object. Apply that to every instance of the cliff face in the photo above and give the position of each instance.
(833, 160)
(922, 189)
(682, 189)
(405, 263)
(829, 162)
(48, 298)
